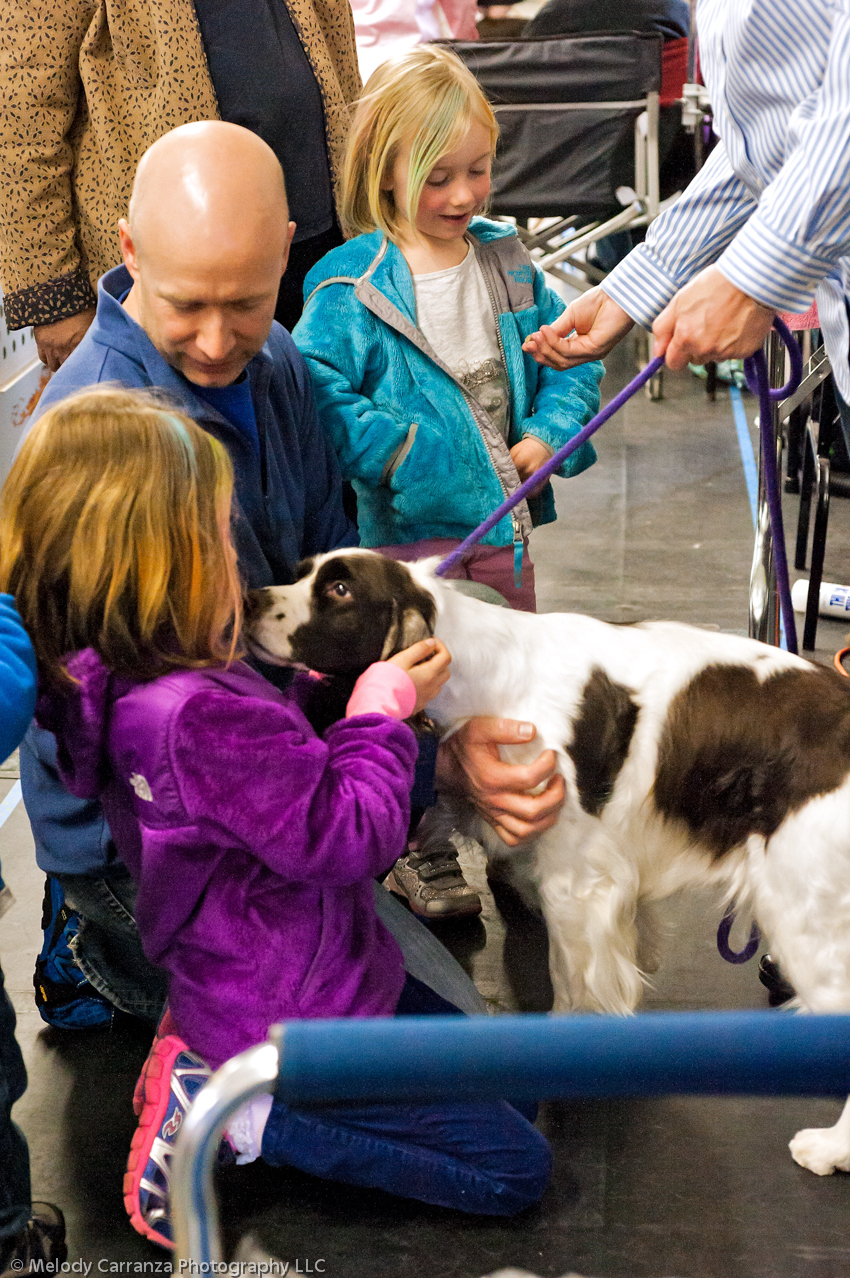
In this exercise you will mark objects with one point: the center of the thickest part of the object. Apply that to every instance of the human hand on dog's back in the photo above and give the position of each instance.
(427, 663)
(470, 763)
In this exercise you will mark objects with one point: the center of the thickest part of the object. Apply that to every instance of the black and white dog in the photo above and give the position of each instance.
(689, 757)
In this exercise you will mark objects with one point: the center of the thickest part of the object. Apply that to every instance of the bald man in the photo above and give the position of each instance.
(191, 313)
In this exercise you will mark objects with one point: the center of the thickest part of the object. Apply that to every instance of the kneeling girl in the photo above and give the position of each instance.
(254, 842)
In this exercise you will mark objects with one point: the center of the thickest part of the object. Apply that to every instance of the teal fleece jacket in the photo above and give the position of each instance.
(425, 458)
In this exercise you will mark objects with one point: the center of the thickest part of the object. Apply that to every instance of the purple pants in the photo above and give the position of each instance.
(488, 565)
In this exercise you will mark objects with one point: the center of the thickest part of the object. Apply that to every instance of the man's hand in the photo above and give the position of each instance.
(599, 325)
(56, 341)
(469, 764)
(710, 319)
(528, 456)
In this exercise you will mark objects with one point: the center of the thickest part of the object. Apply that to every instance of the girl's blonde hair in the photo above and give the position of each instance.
(427, 99)
(114, 535)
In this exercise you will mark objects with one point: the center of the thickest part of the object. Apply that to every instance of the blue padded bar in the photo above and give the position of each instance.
(531, 1057)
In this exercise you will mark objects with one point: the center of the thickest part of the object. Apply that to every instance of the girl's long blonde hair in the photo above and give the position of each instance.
(426, 99)
(114, 535)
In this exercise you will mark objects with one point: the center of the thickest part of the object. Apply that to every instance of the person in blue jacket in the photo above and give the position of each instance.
(413, 333)
(29, 1232)
(190, 315)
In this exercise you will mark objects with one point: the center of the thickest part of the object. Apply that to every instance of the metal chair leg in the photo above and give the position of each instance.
(711, 380)
(763, 619)
(818, 552)
(807, 480)
(796, 443)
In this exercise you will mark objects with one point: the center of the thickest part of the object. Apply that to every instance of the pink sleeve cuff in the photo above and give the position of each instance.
(383, 689)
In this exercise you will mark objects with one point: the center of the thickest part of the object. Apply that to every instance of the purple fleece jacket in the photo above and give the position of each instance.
(253, 841)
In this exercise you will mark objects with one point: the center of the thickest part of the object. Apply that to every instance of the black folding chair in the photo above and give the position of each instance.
(572, 112)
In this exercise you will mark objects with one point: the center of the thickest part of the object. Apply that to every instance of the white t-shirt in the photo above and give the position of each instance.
(455, 313)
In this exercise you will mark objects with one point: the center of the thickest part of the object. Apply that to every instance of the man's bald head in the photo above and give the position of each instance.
(206, 243)
(207, 185)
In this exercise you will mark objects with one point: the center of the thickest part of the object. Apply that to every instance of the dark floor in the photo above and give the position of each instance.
(696, 1188)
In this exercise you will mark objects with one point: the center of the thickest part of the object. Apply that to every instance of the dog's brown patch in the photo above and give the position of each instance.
(602, 734)
(737, 755)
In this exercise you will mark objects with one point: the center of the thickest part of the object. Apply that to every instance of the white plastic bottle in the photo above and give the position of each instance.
(834, 601)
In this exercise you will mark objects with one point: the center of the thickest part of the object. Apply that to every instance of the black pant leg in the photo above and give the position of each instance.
(302, 258)
(15, 1204)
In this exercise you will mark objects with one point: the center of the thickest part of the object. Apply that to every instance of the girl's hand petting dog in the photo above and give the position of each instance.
(427, 662)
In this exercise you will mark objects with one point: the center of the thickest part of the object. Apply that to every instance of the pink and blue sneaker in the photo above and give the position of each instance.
(170, 1080)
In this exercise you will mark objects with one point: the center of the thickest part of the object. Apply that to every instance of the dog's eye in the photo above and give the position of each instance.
(339, 590)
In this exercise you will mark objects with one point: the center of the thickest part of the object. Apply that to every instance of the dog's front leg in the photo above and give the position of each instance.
(824, 1150)
(590, 909)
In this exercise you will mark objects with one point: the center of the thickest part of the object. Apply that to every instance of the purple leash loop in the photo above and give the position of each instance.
(723, 948)
(755, 369)
(758, 380)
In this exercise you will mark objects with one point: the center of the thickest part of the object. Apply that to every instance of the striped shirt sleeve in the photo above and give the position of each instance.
(689, 235)
(802, 224)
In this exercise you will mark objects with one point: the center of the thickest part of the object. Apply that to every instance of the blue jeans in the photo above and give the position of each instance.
(483, 1158)
(15, 1202)
(108, 949)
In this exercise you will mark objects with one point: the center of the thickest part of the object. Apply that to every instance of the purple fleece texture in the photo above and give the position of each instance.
(256, 848)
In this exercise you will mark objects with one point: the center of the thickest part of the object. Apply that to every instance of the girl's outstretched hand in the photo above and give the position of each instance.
(596, 323)
(427, 663)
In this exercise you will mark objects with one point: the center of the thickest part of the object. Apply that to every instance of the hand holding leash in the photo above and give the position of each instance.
(755, 368)
(710, 319)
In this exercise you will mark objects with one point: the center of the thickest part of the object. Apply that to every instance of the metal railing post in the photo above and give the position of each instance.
(195, 1211)
(764, 598)
(421, 1059)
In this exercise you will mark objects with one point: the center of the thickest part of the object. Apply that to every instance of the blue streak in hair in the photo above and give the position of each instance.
(182, 434)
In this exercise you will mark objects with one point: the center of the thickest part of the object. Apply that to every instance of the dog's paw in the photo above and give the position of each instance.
(823, 1150)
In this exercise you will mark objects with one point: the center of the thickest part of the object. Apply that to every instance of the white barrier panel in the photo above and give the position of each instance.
(21, 377)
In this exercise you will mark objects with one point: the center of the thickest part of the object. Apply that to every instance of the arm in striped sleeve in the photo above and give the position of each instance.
(691, 234)
(802, 224)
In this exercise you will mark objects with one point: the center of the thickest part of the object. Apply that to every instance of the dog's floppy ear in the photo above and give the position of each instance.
(407, 627)
(414, 612)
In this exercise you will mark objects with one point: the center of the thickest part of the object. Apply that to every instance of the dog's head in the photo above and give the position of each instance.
(345, 610)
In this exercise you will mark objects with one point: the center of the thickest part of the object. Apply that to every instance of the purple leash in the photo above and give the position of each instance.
(723, 947)
(549, 467)
(757, 378)
(755, 369)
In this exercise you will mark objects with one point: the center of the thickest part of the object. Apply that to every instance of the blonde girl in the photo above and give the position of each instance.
(254, 842)
(413, 332)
